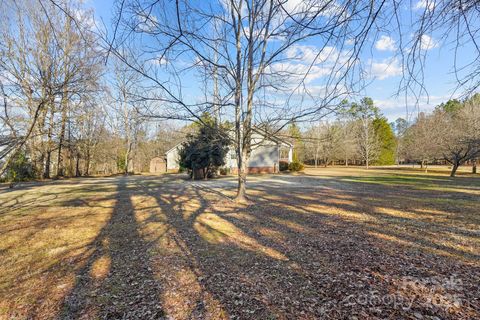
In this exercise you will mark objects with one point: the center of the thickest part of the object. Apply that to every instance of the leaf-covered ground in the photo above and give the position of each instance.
(330, 244)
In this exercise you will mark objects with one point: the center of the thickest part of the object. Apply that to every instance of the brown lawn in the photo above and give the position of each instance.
(331, 243)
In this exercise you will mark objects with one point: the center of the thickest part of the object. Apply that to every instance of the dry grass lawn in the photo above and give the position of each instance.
(341, 243)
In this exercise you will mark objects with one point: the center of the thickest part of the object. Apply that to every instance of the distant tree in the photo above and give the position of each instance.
(347, 146)
(386, 140)
(400, 127)
(205, 150)
(364, 113)
(323, 142)
(298, 143)
(451, 106)
(473, 104)
(313, 143)
(451, 133)
(128, 120)
(458, 134)
(419, 141)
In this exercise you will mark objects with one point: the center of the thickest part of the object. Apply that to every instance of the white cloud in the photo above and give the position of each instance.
(293, 6)
(161, 61)
(309, 63)
(385, 43)
(386, 68)
(424, 4)
(409, 107)
(295, 72)
(85, 18)
(317, 55)
(427, 42)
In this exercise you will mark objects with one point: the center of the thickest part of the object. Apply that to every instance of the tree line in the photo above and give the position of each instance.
(66, 110)
(361, 135)
(450, 133)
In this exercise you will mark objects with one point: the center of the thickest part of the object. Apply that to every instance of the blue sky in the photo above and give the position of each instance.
(384, 67)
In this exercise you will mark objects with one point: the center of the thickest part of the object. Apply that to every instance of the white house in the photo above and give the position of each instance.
(267, 153)
(173, 158)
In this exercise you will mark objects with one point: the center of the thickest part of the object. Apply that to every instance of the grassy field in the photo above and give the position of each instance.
(331, 243)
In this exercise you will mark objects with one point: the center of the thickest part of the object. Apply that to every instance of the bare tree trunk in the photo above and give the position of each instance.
(455, 166)
(126, 160)
(77, 166)
(242, 180)
(474, 166)
(48, 158)
(64, 104)
(367, 142)
(46, 171)
(239, 133)
(60, 143)
(87, 165)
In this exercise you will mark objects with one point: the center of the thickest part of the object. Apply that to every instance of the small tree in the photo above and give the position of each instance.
(204, 151)
(400, 127)
(20, 169)
(298, 144)
(386, 139)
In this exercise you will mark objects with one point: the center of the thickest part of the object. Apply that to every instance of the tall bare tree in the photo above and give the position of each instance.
(364, 113)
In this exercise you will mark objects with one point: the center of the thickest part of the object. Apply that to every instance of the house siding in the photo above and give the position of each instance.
(263, 159)
(263, 156)
(172, 160)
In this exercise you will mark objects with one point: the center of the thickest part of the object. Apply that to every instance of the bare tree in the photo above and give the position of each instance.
(451, 134)
(458, 134)
(128, 119)
(323, 142)
(348, 147)
(313, 143)
(364, 113)
(418, 141)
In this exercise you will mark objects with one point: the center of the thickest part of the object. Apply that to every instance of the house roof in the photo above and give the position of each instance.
(158, 158)
(175, 147)
(272, 137)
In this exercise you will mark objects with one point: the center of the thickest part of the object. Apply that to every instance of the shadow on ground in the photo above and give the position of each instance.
(309, 247)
